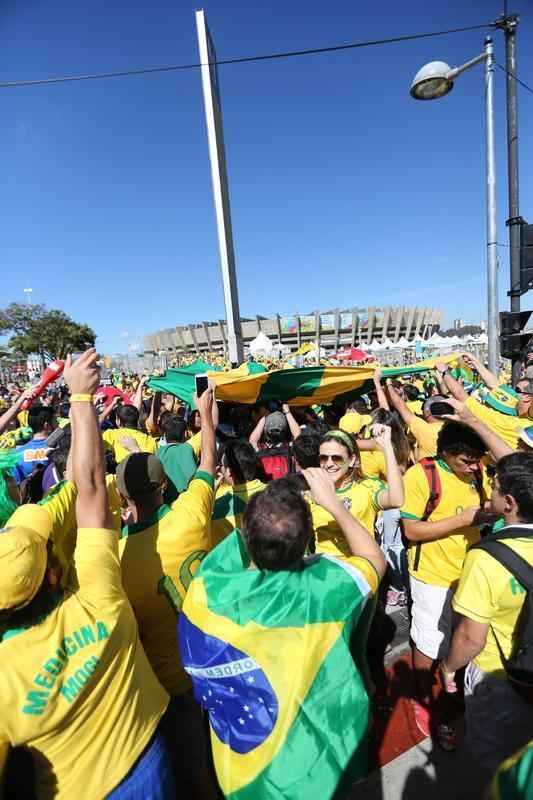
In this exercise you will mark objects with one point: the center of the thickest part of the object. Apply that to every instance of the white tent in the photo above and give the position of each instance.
(387, 344)
(374, 346)
(261, 345)
(402, 342)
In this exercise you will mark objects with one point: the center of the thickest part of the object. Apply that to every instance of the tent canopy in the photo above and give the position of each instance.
(261, 344)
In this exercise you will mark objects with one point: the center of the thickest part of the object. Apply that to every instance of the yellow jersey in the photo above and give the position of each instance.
(373, 464)
(426, 435)
(441, 561)
(415, 406)
(60, 505)
(76, 687)
(159, 557)
(489, 594)
(112, 438)
(362, 500)
(229, 508)
(506, 427)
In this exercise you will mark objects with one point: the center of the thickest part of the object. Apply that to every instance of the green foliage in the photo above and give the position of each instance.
(35, 329)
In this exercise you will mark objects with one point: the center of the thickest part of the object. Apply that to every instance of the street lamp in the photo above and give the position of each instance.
(436, 80)
(28, 292)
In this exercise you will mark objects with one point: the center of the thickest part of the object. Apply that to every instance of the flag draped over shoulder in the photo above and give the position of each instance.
(251, 383)
(269, 656)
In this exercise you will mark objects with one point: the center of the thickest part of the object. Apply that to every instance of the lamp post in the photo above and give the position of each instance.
(28, 292)
(431, 82)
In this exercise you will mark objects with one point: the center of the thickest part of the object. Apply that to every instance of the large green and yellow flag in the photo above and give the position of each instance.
(307, 386)
(269, 656)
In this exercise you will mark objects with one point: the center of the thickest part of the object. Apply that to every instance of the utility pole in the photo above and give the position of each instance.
(492, 237)
(508, 24)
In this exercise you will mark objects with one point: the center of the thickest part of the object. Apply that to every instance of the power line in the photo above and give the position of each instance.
(517, 79)
(243, 60)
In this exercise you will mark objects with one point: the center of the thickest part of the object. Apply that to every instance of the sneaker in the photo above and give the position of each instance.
(396, 598)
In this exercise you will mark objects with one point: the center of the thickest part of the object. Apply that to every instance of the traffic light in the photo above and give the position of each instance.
(526, 257)
(513, 340)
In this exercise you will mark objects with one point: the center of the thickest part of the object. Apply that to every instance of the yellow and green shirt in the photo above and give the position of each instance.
(159, 557)
(506, 427)
(77, 688)
(229, 508)
(60, 505)
(112, 438)
(489, 594)
(426, 435)
(441, 561)
(362, 500)
(373, 464)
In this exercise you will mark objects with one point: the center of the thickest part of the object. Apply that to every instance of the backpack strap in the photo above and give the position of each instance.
(430, 470)
(435, 490)
(514, 563)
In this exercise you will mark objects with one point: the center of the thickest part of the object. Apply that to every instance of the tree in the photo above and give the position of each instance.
(50, 333)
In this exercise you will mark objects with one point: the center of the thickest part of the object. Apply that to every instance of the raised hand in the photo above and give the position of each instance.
(82, 376)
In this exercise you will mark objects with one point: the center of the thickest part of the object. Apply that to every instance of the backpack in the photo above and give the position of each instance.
(519, 666)
(435, 492)
(276, 462)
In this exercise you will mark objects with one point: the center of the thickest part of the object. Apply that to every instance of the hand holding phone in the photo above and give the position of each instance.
(202, 382)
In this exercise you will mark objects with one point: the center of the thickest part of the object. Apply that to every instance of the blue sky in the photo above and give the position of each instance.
(344, 190)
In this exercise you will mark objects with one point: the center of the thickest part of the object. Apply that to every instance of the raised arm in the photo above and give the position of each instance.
(153, 416)
(360, 542)
(109, 408)
(443, 389)
(92, 506)
(497, 447)
(488, 377)
(204, 404)
(399, 404)
(393, 495)
(12, 412)
(291, 422)
(382, 397)
(453, 386)
(138, 396)
(257, 433)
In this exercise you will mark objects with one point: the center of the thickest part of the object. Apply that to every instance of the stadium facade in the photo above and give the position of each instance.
(334, 329)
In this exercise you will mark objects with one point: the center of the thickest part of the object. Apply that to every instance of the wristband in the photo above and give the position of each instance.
(81, 398)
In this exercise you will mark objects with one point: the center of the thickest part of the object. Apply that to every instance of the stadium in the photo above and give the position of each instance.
(334, 329)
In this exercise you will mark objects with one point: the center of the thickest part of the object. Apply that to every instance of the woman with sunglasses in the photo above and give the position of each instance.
(363, 497)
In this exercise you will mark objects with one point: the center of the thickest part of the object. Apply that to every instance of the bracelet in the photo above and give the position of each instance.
(81, 398)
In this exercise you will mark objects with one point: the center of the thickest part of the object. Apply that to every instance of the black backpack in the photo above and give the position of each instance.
(519, 666)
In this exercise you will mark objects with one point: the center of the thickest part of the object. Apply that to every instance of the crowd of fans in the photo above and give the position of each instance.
(186, 595)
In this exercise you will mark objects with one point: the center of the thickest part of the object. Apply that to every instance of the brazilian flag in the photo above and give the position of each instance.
(251, 383)
(269, 656)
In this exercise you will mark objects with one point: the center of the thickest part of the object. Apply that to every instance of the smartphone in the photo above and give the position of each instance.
(439, 408)
(202, 383)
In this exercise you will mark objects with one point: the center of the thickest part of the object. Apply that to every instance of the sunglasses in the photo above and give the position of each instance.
(335, 459)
